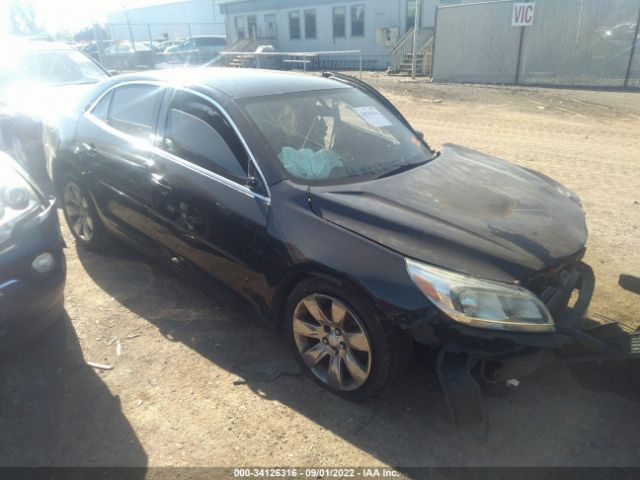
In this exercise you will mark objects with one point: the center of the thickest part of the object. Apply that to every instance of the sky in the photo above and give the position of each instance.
(73, 15)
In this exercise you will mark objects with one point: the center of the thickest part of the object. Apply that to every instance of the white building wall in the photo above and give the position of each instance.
(378, 14)
(177, 20)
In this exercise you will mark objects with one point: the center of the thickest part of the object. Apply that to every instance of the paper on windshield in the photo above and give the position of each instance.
(373, 117)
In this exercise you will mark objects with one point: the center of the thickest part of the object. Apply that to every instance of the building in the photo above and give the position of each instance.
(173, 20)
(372, 26)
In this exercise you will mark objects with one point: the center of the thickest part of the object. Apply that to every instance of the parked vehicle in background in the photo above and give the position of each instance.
(123, 56)
(32, 264)
(38, 81)
(316, 200)
(197, 49)
(92, 50)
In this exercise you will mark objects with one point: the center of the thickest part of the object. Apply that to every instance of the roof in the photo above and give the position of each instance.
(238, 83)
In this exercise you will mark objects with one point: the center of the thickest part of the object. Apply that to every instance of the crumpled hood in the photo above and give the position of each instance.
(465, 211)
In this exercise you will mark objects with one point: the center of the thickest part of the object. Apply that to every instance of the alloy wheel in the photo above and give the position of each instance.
(76, 207)
(332, 342)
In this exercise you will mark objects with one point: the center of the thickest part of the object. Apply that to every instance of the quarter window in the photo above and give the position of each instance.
(101, 110)
(198, 133)
(294, 25)
(357, 21)
(339, 22)
(134, 109)
(310, 24)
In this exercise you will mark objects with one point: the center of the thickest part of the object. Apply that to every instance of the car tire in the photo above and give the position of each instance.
(81, 214)
(389, 348)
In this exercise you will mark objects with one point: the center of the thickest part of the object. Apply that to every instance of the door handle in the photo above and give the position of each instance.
(89, 149)
(161, 184)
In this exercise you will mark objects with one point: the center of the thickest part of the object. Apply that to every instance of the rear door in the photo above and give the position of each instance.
(210, 191)
(115, 139)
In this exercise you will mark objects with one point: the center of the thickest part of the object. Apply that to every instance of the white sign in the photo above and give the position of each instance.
(522, 15)
(373, 117)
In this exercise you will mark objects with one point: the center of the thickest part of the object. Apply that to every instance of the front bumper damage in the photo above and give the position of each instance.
(473, 357)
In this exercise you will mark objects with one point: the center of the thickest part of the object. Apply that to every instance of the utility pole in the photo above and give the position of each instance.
(126, 15)
(416, 26)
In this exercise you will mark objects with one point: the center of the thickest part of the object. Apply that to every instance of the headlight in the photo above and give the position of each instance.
(481, 303)
(17, 199)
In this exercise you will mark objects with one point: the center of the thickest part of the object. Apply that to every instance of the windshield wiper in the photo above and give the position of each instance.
(403, 168)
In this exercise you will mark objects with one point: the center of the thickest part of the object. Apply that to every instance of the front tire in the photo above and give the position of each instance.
(81, 215)
(342, 342)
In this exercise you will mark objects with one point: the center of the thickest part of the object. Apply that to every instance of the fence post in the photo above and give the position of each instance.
(189, 28)
(634, 40)
(360, 63)
(433, 45)
(518, 62)
(150, 37)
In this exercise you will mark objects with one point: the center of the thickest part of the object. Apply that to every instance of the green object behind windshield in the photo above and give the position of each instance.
(335, 136)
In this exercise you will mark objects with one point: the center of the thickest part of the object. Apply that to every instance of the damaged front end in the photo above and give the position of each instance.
(470, 358)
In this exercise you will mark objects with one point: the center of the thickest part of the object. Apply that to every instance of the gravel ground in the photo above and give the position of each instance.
(198, 381)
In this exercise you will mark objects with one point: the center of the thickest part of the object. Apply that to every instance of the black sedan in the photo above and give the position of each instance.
(314, 198)
(32, 265)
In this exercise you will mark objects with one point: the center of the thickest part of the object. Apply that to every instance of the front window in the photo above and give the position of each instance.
(357, 21)
(294, 25)
(335, 136)
(339, 22)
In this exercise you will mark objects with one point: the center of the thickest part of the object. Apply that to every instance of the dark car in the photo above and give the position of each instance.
(32, 265)
(196, 50)
(315, 199)
(38, 81)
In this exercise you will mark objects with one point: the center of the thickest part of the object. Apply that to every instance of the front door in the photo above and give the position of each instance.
(202, 169)
(270, 26)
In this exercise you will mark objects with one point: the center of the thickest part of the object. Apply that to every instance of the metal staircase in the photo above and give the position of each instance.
(401, 55)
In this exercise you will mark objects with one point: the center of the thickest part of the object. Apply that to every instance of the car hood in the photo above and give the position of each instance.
(465, 211)
(43, 102)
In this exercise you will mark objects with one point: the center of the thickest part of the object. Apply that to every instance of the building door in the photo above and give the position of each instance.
(270, 26)
(252, 26)
(411, 15)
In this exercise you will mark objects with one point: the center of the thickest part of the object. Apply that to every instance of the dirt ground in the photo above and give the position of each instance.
(197, 381)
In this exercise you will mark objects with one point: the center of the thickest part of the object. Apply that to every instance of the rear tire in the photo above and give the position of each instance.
(356, 354)
(81, 215)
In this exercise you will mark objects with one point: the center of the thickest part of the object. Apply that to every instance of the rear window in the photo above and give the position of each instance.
(134, 109)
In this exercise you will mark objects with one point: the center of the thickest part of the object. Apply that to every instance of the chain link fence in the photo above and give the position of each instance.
(592, 43)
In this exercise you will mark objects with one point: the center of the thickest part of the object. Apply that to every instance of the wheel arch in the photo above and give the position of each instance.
(287, 284)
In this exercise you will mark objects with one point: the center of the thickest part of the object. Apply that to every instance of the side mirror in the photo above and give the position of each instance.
(252, 183)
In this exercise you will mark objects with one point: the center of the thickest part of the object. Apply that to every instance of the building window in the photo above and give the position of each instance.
(239, 27)
(310, 24)
(339, 22)
(357, 21)
(294, 25)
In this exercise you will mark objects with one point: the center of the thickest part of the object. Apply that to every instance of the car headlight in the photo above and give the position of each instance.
(17, 200)
(481, 303)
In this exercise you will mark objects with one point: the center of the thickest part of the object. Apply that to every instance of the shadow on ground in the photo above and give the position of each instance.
(54, 408)
(551, 419)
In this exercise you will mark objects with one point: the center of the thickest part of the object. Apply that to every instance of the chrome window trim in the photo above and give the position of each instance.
(169, 156)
